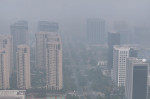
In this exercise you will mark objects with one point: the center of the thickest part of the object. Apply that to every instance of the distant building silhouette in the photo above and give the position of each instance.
(96, 31)
(19, 32)
(113, 39)
(48, 26)
(136, 79)
(141, 35)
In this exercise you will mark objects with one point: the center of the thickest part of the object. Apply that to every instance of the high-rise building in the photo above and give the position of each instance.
(120, 53)
(23, 67)
(6, 43)
(19, 32)
(48, 26)
(54, 64)
(5, 60)
(113, 39)
(136, 79)
(96, 31)
(49, 58)
(4, 70)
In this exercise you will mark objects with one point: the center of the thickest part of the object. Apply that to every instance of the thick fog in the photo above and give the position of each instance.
(72, 14)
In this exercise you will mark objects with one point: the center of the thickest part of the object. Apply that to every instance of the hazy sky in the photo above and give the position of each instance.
(73, 13)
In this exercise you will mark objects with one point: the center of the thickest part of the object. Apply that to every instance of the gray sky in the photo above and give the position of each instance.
(73, 13)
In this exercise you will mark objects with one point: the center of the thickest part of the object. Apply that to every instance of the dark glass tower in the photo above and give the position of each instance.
(113, 39)
(19, 33)
(136, 79)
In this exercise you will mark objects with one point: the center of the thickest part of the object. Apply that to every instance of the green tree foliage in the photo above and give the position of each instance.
(72, 97)
(68, 81)
(99, 81)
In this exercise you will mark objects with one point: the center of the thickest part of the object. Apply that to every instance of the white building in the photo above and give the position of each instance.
(120, 53)
(12, 94)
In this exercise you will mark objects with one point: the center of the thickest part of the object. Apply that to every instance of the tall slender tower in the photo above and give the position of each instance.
(136, 79)
(120, 53)
(4, 69)
(49, 56)
(113, 39)
(5, 60)
(23, 67)
(19, 32)
(6, 43)
(54, 63)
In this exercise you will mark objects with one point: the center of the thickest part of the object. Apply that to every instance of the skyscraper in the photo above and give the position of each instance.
(113, 39)
(4, 69)
(96, 31)
(5, 60)
(6, 43)
(54, 63)
(136, 79)
(23, 67)
(19, 32)
(48, 26)
(120, 53)
(49, 58)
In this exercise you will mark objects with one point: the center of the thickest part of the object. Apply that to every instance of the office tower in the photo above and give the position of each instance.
(48, 26)
(49, 58)
(96, 31)
(19, 32)
(136, 79)
(120, 53)
(12, 94)
(113, 39)
(23, 67)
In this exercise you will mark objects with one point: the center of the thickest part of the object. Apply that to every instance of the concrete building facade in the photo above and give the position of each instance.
(23, 67)
(4, 70)
(6, 61)
(49, 58)
(120, 53)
